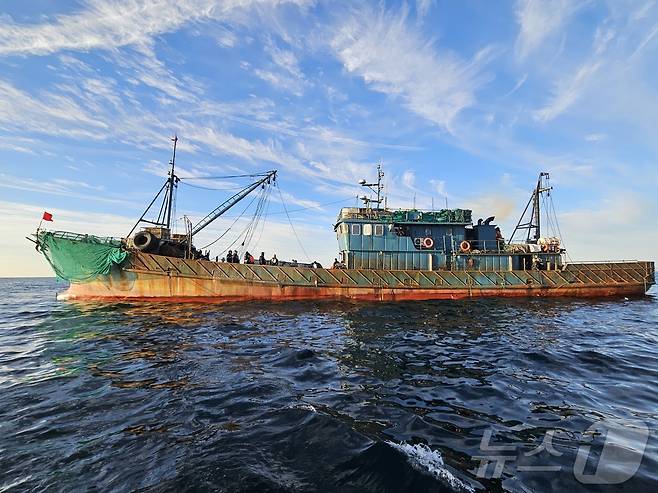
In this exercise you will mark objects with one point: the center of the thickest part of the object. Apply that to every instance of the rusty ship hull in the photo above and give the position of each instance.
(145, 276)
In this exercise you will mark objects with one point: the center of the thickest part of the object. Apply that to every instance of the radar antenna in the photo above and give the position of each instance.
(378, 188)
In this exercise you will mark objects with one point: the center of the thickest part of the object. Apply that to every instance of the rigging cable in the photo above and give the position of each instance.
(210, 188)
(243, 231)
(260, 219)
(232, 224)
(560, 232)
(256, 218)
(160, 218)
(549, 219)
(262, 228)
(283, 203)
(174, 204)
(319, 206)
(221, 177)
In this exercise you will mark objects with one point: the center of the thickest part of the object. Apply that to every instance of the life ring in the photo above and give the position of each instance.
(428, 242)
(465, 246)
(544, 248)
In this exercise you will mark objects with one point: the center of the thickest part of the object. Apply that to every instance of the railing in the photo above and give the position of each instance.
(400, 279)
(589, 262)
(67, 235)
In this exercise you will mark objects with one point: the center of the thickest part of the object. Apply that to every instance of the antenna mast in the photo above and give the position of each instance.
(378, 188)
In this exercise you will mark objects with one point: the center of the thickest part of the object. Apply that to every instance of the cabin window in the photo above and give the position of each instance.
(367, 229)
(379, 230)
(344, 228)
(356, 229)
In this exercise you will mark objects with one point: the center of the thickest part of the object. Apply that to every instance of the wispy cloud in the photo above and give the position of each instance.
(539, 19)
(393, 58)
(423, 7)
(596, 137)
(51, 113)
(145, 68)
(110, 24)
(567, 91)
(59, 187)
(284, 71)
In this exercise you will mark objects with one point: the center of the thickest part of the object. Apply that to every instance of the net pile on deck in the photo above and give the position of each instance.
(79, 258)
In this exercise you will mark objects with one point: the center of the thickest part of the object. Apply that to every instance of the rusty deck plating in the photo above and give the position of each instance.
(146, 276)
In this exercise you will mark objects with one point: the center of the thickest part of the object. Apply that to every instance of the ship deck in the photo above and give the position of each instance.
(147, 276)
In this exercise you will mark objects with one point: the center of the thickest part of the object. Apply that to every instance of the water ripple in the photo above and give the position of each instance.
(315, 396)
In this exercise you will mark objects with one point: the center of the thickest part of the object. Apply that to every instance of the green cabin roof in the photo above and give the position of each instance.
(405, 216)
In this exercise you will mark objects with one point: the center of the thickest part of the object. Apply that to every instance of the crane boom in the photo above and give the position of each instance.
(231, 201)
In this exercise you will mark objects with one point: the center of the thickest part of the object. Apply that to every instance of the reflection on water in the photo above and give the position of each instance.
(315, 396)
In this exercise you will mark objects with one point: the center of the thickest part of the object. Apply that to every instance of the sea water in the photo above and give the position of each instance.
(474, 395)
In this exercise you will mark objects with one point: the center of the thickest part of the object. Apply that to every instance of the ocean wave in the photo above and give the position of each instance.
(428, 461)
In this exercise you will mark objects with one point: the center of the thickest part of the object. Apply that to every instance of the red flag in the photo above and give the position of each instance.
(47, 216)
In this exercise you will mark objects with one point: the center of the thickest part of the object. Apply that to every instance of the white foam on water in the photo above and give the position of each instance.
(425, 460)
(305, 407)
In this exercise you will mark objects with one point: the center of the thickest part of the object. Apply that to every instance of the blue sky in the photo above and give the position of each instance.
(464, 101)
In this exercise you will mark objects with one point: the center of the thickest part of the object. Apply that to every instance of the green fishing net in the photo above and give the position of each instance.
(79, 258)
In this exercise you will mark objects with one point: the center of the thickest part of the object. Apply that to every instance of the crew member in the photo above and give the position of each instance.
(261, 259)
(274, 260)
(500, 241)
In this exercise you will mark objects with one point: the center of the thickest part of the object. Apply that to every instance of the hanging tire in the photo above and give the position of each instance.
(145, 241)
(465, 246)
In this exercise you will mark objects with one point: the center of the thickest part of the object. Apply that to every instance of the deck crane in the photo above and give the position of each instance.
(268, 178)
(158, 238)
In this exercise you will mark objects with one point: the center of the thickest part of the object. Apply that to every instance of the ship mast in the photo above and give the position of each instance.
(171, 184)
(164, 217)
(169, 188)
(534, 223)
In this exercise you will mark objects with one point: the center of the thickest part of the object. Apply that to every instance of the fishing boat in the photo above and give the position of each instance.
(384, 254)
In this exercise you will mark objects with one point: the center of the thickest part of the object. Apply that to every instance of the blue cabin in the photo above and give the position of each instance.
(447, 239)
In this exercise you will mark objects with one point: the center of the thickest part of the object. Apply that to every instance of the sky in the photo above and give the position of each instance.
(462, 103)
